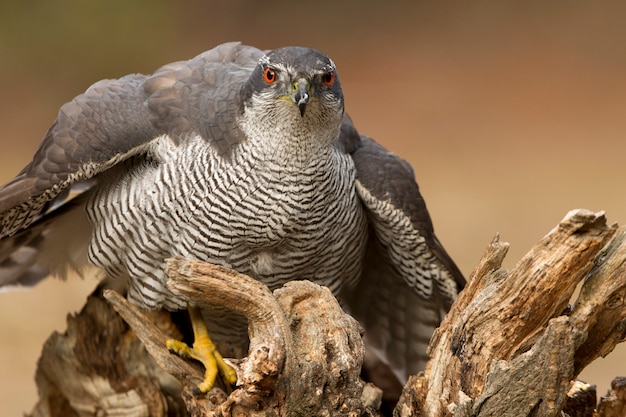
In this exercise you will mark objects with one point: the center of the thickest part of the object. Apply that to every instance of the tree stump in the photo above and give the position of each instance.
(512, 345)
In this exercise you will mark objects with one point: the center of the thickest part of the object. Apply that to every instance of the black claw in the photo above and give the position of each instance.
(197, 391)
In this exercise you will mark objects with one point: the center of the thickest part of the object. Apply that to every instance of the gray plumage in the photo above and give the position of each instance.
(218, 159)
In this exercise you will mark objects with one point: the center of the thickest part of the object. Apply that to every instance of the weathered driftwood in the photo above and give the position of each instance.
(511, 343)
(510, 346)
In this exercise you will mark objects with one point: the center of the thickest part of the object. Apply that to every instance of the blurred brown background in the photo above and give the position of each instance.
(512, 113)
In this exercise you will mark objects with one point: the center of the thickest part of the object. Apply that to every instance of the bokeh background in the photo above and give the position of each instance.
(512, 113)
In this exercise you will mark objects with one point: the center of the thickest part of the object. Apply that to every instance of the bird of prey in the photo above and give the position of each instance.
(243, 158)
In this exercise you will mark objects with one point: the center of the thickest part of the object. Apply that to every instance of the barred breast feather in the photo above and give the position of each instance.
(269, 217)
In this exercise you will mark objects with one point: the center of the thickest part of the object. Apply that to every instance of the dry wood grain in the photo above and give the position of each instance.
(305, 353)
(511, 344)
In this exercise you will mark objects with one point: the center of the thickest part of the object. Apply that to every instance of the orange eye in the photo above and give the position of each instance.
(269, 75)
(328, 78)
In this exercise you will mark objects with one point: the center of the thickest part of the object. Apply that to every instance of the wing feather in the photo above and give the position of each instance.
(112, 122)
(117, 119)
(409, 281)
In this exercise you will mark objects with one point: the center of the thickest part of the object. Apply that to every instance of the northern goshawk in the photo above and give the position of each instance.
(240, 158)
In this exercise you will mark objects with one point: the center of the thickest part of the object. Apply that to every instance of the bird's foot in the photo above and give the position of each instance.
(205, 352)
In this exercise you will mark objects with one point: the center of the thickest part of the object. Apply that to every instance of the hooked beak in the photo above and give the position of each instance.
(301, 96)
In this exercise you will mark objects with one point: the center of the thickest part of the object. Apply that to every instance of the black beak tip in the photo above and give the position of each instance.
(302, 107)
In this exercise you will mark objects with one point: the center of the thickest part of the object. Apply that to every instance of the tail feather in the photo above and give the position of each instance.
(398, 321)
(56, 244)
(20, 269)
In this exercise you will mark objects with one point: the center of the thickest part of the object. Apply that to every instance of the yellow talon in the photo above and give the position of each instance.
(204, 351)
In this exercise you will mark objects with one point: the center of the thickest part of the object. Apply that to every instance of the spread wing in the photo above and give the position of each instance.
(114, 121)
(409, 281)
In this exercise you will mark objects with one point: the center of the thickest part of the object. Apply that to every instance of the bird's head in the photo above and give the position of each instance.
(295, 87)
